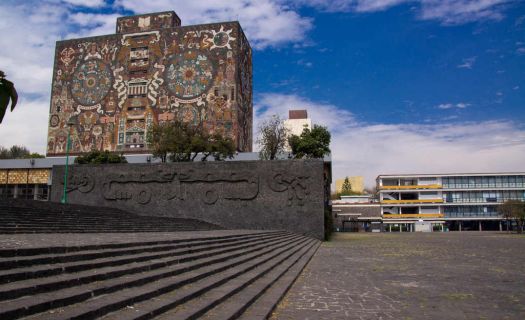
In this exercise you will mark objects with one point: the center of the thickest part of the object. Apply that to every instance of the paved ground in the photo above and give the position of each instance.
(468, 275)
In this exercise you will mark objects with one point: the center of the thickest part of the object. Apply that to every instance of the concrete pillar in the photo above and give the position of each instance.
(400, 227)
(460, 223)
(479, 223)
(37, 189)
(389, 227)
(442, 227)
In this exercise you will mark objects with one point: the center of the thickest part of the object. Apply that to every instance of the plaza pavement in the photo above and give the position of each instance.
(452, 275)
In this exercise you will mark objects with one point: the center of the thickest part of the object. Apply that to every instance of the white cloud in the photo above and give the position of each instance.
(27, 44)
(26, 125)
(376, 5)
(92, 24)
(87, 3)
(452, 12)
(266, 22)
(352, 5)
(460, 105)
(447, 12)
(373, 149)
(269, 104)
(468, 63)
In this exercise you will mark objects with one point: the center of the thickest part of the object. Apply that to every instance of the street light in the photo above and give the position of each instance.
(71, 122)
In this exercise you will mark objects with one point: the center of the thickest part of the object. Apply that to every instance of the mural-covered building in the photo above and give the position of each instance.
(108, 90)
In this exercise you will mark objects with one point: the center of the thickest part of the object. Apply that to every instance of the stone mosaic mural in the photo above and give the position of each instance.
(107, 91)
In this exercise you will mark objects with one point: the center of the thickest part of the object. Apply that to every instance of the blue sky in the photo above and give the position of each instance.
(404, 86)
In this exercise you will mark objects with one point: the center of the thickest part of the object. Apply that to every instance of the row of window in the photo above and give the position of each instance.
(470, 211)
(483, 196)
(24, 191)
(484, 182)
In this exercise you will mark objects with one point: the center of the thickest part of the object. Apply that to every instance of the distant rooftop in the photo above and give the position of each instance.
(297, 114)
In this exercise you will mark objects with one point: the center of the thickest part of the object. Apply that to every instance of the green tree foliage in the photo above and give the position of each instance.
(179, 141)
(310, 144)
(346, 189)
(100, 157)
(272, 138)
(219, 148)
(514, 210)
(7, 94)
(18, 152)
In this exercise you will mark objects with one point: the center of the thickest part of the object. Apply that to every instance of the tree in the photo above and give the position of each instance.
(346, 189)
(18, 152)
(514, 210)
(180, 141)
(310, 144)
(219, 148)
(7, 93)
(159, 139)
(272, 138)
(100, 157)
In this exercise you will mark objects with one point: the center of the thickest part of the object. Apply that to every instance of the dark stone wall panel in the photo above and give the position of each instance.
(239, 195)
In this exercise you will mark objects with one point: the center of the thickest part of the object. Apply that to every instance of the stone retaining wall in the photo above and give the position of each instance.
(286, 194)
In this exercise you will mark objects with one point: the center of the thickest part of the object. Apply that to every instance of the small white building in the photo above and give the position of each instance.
(297, 121)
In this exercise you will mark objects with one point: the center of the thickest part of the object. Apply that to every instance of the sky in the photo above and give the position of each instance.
(426, 86)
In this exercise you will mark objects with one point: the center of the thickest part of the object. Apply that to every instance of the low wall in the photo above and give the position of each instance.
(286, 194)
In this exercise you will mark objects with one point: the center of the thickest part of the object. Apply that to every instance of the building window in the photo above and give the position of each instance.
(7, 191)
(41, 192)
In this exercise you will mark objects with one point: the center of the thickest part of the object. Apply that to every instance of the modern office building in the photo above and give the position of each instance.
(108, 91)
(464, 201)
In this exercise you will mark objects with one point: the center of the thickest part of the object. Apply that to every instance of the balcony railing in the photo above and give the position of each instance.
(413, 216)
(412, 187)
(413, 201)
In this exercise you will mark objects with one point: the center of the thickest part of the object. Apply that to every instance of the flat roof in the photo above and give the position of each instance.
(416, 175)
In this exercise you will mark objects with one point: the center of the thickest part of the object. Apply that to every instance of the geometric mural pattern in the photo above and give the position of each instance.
(109, 90)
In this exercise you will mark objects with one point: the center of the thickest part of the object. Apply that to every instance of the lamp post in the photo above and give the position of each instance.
(70, 123)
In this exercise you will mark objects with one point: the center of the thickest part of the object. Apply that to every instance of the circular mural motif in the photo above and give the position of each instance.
(189, 74)
(91, 82)
(54, 121)
(221, 39)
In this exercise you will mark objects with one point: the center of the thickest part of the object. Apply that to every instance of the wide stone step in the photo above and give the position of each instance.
(98, 252)
(19, 252)
(31, 286)
(162, 270)
(90, 229)
(268, 300)
(185, 286)
(231, 298)
(54, 265)
(19, 217)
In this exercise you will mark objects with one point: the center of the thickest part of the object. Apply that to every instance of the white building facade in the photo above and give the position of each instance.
(447, 201)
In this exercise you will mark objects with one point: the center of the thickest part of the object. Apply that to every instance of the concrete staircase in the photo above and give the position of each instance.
(19, 216)
(231, 275)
